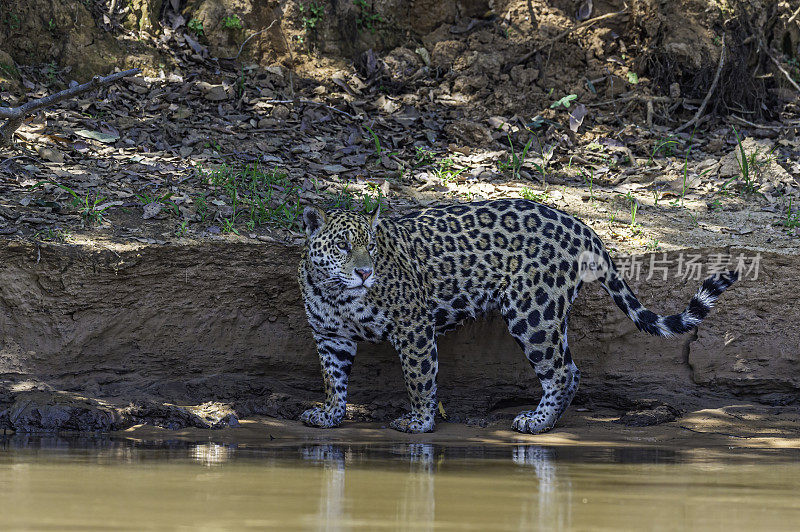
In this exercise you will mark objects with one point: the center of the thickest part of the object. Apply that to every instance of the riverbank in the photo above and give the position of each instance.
(723, 430)
(103, 338)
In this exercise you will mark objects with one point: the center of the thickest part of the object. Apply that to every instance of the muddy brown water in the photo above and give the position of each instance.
(51, 483)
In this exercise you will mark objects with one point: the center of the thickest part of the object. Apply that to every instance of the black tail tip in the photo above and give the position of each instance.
(716, 284)
(728, 278)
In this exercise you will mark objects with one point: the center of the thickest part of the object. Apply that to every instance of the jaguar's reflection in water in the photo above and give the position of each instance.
(302, 485)
(416, 500)
(332, 494)
(541, 507)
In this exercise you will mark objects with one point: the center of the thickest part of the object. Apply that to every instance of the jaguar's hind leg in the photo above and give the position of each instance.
(545, 345)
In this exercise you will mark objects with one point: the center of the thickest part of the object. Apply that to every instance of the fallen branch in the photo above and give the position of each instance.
(584, 24)
(16, 115)
(711, 89)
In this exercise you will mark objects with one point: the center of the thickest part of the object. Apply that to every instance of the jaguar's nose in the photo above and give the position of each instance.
(364, 273)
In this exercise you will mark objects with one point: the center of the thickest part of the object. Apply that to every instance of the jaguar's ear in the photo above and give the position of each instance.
(373, 218)
(313, 220)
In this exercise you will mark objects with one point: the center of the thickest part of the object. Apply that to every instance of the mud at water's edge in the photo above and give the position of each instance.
(107, 339)
(707, 432)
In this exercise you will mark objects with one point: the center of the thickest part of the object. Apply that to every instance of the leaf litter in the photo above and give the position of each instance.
(206, 151)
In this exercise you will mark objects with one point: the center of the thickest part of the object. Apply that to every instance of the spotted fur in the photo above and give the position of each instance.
(409, 279)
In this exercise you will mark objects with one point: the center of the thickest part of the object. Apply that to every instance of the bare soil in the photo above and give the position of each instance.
(151, 233)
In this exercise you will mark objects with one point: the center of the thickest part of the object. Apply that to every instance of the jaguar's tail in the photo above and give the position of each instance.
(652, 323)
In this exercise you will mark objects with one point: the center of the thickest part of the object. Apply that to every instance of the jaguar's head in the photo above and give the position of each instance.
(340, 248)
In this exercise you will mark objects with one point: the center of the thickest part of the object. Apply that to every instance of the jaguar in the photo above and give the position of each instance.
(408, 279)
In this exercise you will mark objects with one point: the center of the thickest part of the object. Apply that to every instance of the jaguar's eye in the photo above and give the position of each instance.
(342, 244)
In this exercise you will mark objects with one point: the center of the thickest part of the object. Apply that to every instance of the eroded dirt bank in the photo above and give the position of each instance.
(108, 336)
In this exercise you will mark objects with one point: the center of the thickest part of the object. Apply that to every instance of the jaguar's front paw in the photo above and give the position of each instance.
(321, 418)
(533, 422)
(412, 422)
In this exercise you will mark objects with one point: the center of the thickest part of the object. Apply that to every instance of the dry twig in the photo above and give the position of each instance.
(794, 16)
(744, 122)
(783, 70)
(638, 97)
(16, 115)
(584, 24)
(235, 57)
(702, 107)
(312, 102)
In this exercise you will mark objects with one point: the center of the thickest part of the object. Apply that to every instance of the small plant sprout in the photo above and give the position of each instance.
(13, 22)
(164, 199)
(566, 101)
(373, 199)
(589, 180)
(231, 22)
(182, 228)
(634, 205)
(376, 142)
(664, 147)
(685, 183)
(365, 202)
(750, 167)
(214, 145)
(514, 162)
(50, 72)
(444, 170)
(229, 225)
(90, 206)
(201, 205)
(195, 26)
(792, 221)
(532, 195)
(652, 245)
(344, 199)
(366, 19)
(312, 14)
(423, 157)
(744, 166)
(257, 196)
(52, 234)
(546, 154)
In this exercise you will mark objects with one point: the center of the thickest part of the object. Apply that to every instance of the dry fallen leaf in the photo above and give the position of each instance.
(106, 138)
(576, 116)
